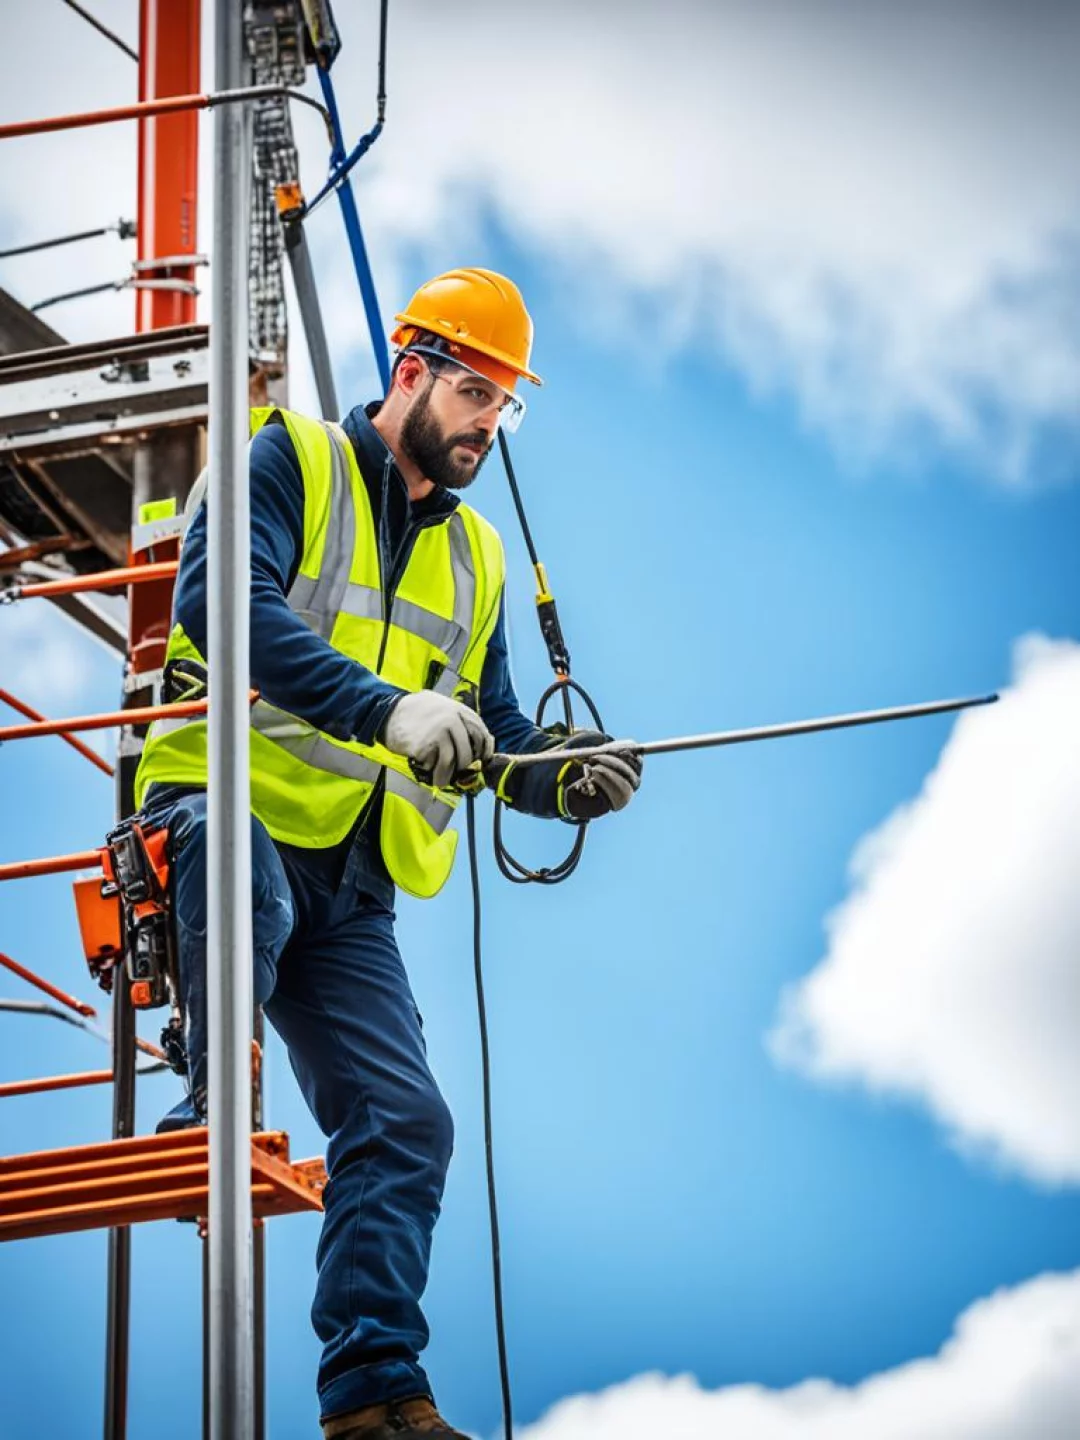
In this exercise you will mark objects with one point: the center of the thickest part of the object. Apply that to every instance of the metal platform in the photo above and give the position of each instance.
(152, 1177)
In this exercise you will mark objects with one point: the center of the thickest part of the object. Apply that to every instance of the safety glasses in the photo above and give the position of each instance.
(475, 391)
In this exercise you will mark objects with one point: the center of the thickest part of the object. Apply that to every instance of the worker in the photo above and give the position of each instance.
(379, 653)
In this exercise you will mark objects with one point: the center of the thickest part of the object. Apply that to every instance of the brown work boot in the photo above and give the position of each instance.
(395, 1421)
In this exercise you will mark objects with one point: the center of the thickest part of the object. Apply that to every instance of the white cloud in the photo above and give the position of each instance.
(875, 209)
(1010, 1371)
(952, 974)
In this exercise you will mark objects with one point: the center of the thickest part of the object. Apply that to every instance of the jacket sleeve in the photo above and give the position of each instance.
(291, 666)
(535, 789)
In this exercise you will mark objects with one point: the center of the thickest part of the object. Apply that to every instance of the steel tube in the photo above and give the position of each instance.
(761, 732)
(53, 865)
(229, 988)
(55, 1082)
(307, 298)
(170, 105)
(39, 719)
(142, 715)
(101, 580)
(79, 1006)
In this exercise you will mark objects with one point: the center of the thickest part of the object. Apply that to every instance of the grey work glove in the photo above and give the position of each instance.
(441, 737)
(592, 788)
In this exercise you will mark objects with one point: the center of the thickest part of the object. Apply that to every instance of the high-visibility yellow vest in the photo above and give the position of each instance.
(306, 787)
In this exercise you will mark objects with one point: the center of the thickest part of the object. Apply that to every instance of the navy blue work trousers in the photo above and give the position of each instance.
(331, 980)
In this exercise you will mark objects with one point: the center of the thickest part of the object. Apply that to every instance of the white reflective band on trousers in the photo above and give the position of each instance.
(321, 599)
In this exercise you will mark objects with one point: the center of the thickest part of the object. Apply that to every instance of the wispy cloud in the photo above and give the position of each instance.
(1010, 1371)
(873, 210)
(951, 972)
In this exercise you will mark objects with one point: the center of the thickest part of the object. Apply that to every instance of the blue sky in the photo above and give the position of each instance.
(673, 1199)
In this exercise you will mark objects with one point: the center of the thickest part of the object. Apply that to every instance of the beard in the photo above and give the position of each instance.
(432, 452)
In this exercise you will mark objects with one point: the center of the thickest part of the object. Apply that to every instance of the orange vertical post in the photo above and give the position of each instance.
(168, 159)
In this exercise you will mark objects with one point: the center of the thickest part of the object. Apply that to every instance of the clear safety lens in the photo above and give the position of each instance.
(482, 396)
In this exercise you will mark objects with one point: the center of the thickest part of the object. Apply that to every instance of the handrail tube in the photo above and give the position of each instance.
(55, 1082)
(99, 580)
(79, 1006)
(140, 715)
(168, 105)
(36, 715)
(52, 865)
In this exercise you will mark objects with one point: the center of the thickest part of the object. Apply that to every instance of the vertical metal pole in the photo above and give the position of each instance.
(118, 1295)
(307, 298)
(230, 991)
(259, 1241)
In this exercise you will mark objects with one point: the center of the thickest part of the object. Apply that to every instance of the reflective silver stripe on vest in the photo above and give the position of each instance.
(437, 812)
(170, 727)
(319, 600)
(450, 636)
(306, 744)
(303, 742)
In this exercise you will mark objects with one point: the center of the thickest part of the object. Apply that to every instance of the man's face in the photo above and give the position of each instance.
(449, 427)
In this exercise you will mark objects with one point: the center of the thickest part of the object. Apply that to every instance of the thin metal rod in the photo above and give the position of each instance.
(36, 715)
(99, 580)
(37, 245)
(79, 1006)
(763, 732)
(53, 865)
(142, 715)
(166, 105)
(103, 29)
(229, 941)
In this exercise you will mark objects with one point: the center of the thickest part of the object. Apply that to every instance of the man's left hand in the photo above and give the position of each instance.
(592, 788)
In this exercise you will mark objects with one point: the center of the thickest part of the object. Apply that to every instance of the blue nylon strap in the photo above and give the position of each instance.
(340, 165)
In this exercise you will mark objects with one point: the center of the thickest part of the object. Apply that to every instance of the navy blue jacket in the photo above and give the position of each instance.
(293, 667)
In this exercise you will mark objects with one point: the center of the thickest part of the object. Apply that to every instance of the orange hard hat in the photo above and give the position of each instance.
(481, 315)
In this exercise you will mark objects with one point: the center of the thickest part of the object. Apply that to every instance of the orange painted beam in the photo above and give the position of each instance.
(154, 1177)
(46, 1083)
(99, 580)
(79, 1006)
(51, 865)
(140, 715)
(168, 159)
(32, 714)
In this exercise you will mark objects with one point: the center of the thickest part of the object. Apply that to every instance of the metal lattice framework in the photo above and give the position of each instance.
(275, 42)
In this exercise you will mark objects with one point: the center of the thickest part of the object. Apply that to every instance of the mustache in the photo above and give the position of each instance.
(477, 438)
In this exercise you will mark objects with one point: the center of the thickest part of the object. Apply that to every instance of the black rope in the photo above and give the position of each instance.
(485, 1061)
(103, 29)
(504, 449)
(510, 867)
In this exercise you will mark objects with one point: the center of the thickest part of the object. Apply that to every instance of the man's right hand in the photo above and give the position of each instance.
(441, 736)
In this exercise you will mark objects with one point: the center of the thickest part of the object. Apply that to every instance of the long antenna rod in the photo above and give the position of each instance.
(762, 732)
(229, 942)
